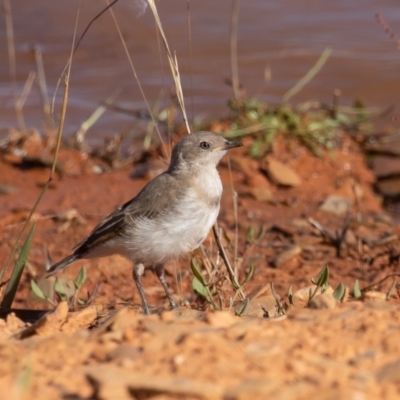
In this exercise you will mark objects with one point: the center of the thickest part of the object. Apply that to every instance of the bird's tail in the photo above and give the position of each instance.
(61, 264)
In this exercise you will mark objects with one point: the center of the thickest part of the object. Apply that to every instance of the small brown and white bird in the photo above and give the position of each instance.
(170, 217)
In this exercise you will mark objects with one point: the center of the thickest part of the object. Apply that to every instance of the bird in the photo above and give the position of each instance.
(170, 217)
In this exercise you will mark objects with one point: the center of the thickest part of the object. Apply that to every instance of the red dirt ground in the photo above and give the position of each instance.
(343, 349)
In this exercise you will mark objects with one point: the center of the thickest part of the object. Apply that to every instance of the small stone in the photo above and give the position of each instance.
(350, 238)
(281, 174)
(263, 195)
(337, 205)
(384, 166)
(389, 187)
(374, 296)
(324, 301)
(259, 306)
(286, 255)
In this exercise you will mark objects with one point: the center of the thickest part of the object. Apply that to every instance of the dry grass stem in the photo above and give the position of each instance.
(137, 78)
(55, 157)
(189, 22)
(21, 101)
(43, 89)
(227, 263)
(234, 56)
(10, 41)
(173, 63)
(80, 134)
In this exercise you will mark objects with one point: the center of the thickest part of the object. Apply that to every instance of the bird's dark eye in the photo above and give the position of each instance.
(204, 145)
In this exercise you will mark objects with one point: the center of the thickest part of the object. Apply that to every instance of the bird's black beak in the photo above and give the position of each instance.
(229, 144)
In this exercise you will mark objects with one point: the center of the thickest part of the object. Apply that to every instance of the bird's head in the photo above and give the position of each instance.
(201, 149)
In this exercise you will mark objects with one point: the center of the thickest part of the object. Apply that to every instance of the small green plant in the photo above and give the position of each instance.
(281, 307)
(12, 285)
(207, 288)
(321, 283)
(253, 237)
(356, 290)
(290, 296)
(63, 290)
(339, 292)
(313, 125)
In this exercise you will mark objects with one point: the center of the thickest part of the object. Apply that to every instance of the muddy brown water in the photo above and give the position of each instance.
(284, 37)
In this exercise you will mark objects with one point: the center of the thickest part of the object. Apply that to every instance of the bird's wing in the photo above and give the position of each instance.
(149, 203)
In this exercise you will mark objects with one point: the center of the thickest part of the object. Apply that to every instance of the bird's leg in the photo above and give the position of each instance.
(138, 271)
(159, 270)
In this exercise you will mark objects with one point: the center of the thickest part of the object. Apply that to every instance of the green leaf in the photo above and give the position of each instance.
(249, 275)
(196, 272)
(261, 233)
(339, 292)
(81, 278)
(256, 149)
(241, 308)
(60, 289)
(37, 291)
(356, 290)
(13, 283)
(199, 288)
(322, 278)
(390, 291)
(227, 237)
(250, 235)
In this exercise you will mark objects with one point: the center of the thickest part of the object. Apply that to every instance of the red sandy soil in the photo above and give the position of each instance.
(346, 349)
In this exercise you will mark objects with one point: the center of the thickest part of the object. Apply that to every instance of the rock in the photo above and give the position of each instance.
(280, 173)
(384, 166)
(389, 187)
(221, 319)
(324, 301)
(304, 294)
(337, 205)
(263, 195)
(350, 238)
(286, 255)
(374, 296)
(257, 307)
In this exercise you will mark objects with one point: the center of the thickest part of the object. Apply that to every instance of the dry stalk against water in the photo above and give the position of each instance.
(55, 157)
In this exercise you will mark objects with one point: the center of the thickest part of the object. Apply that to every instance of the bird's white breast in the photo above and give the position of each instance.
(180, 228)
